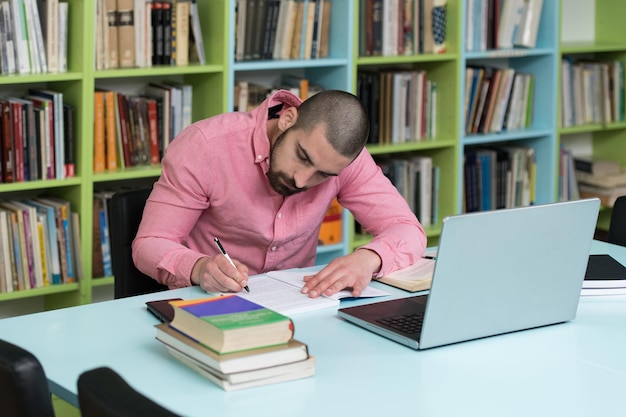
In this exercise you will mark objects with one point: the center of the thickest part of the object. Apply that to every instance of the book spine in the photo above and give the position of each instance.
(98, 134)
(110, 131)
(126, 33)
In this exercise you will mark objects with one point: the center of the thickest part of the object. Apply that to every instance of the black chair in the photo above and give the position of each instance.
(102, 392)
(617, 227)
(125, 211)
(24, 388)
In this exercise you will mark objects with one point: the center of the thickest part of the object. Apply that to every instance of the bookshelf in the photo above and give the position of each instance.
(602, 38)
(332, 72)
(443, 148)
(540, 136)
(210, 97)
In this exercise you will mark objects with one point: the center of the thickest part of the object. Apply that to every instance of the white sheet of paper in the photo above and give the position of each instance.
(280, 291)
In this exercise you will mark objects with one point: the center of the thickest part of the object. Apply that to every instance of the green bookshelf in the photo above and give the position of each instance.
(607, 42)
(210, 95)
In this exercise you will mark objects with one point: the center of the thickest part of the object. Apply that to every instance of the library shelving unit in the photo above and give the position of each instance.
(541, 61)
(608, 43)
(333, 72)
(443, 148)
(77, 85)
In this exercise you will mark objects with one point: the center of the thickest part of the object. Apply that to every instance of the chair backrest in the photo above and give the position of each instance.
(102, 392)
(617, 227)
(24, 388)
(125, 212)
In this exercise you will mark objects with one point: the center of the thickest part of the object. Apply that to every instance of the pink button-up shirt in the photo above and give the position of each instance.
(214, 183)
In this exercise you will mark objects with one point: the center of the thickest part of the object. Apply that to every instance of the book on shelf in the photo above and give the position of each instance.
(602, 180)
(196, 41)
(64, 238)
(8, 274)
(126, 33)
(230, 323)
(597, 166)
(98, 132)
(528, 26)
(416, 277)
(255, 378)
(110, 35)
(228, 363)
(49, 214)
(330, 230)
(509, 19)
(180, 32)
(142, 20)
(57, 129)
(64, 10)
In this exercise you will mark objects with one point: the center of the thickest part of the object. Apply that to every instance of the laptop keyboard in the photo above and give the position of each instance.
(409, 324)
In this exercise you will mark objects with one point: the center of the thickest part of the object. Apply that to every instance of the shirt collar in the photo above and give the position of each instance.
(260, 140)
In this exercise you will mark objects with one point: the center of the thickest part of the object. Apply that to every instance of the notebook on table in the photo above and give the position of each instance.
(496, 272)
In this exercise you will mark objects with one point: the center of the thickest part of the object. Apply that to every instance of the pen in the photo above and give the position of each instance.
(223, 251)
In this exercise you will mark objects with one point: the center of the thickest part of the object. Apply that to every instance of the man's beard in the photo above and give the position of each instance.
(278, 179)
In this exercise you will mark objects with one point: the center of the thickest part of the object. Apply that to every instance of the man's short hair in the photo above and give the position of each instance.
(343, 116)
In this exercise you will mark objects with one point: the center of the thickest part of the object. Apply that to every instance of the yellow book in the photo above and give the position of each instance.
(98, 131)
(330, 231)
(110, 130)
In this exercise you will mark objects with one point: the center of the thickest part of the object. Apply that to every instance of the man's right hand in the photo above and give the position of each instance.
(218, 275)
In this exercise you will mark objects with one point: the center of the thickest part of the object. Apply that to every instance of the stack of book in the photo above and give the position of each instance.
(235, 343)
(604, 179)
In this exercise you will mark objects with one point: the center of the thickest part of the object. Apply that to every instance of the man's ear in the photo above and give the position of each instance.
(287, 118)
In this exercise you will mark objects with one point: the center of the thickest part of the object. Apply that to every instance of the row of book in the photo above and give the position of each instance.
(402, 27)
(37, 137)
(417, 180)
(235, 343)
(402, 105)
(502, 24)
(249, 95)
(282, 29)
(132, 130)
(496, 178)
(142, 33)
(33, 36)
(497, 99)
(39, 244)
(591, 92)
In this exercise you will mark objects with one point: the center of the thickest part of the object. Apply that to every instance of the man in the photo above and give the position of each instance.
(261, 182)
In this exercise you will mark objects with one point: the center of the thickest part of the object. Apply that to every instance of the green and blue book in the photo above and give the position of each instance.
(229, 323)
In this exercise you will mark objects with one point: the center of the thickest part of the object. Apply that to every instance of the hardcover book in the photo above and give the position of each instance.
(283, 373)
(230, 323)
(229, 363)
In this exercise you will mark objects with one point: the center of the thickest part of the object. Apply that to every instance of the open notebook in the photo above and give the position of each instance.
(496, 272)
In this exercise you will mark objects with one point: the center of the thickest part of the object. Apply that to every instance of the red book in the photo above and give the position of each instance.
(7, 143)
(124, 132)
(153, 130)
(18, 140)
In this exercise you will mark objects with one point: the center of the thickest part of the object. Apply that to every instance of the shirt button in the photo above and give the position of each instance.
(280, 215)
(274, 248)
(259, 157)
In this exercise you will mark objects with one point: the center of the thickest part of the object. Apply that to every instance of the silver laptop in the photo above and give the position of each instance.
(496, 272)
